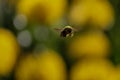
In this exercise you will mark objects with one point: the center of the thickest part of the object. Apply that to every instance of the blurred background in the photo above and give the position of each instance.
(31, 48)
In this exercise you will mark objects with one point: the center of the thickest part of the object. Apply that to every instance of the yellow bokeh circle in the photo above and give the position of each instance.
(93, 70)
(48, 11)
(48, 65)
(90, 44)
(9, 50)
(98, 13)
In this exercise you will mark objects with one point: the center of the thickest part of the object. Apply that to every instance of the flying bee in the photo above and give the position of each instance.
(67, 31)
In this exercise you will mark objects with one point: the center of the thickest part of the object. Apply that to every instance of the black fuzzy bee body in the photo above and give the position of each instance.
(65, 32)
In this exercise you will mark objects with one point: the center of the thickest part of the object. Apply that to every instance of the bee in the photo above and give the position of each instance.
(67, 31)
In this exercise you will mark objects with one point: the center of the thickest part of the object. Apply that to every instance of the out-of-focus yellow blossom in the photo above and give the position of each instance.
(48, 65)
(46, 11)
(118, 71)
(93, 70)
(9, 50)
(98, 13)
(90, 44)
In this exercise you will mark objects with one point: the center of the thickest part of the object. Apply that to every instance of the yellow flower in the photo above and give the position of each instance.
(47, 65)
(9, 50)
(93, 70)
(48, 11)
(90, 44)
(118, 71)
(98, 13)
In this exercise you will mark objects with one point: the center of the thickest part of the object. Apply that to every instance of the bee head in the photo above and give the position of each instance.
(68, 27)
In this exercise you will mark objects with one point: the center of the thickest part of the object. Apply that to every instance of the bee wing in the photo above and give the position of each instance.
(76, 29)
(57, 29)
